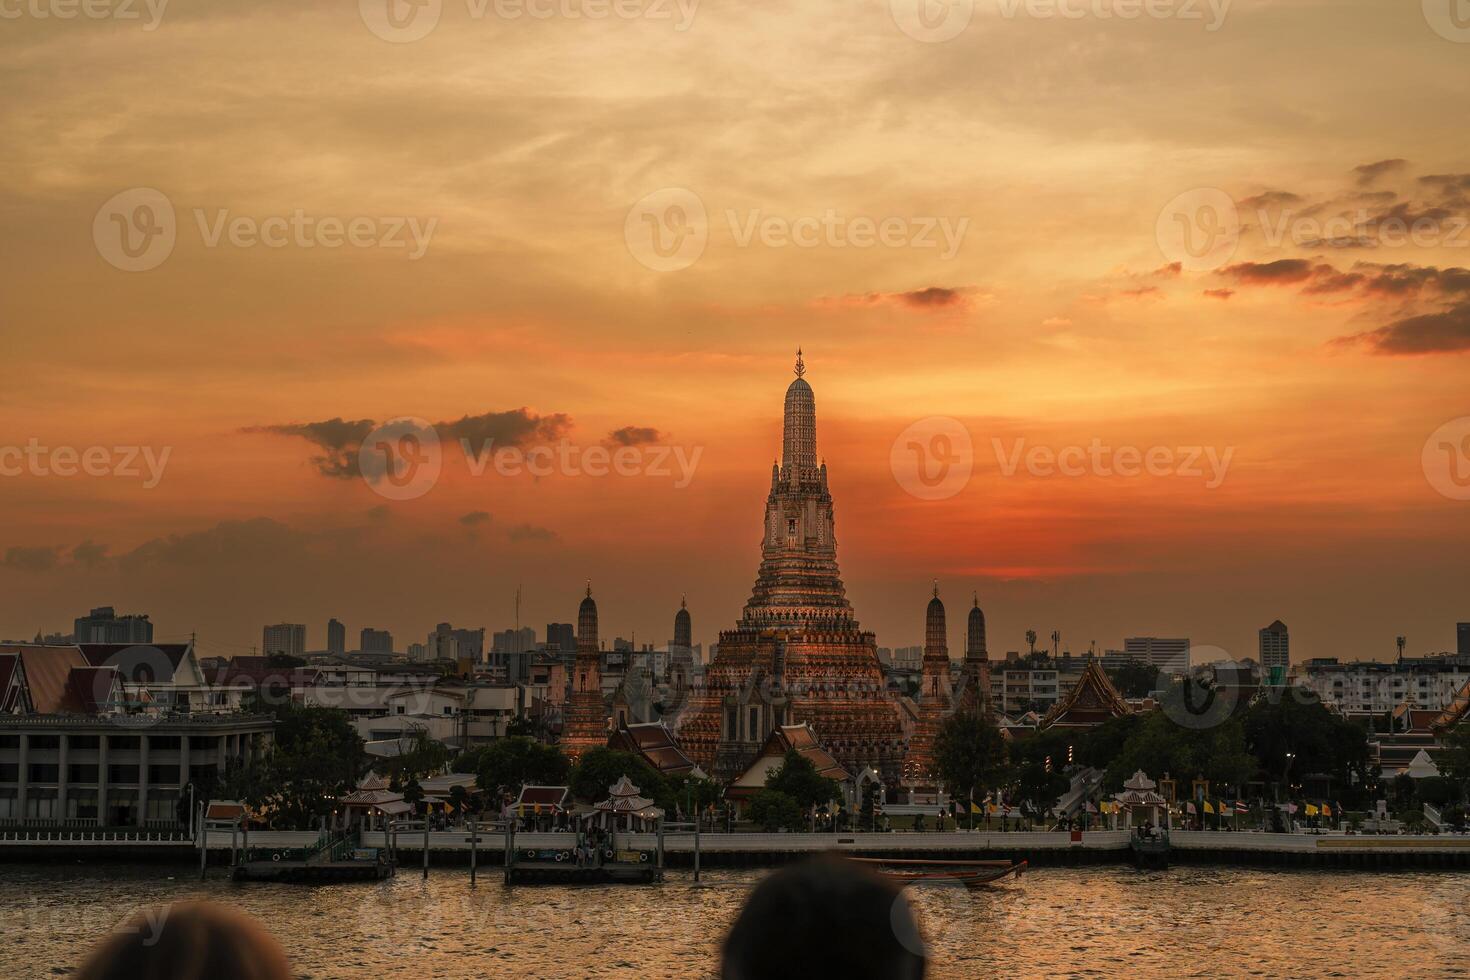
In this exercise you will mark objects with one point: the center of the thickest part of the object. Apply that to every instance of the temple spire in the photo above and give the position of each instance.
(800, 364)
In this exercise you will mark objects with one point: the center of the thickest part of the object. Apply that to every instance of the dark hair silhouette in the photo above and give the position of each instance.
(827, 917)
(188, 941)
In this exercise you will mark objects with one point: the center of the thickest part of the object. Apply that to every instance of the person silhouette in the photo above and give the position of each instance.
(188, 941)
(824, 917)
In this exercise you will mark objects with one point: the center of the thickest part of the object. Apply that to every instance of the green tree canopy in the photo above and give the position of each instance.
(507, 764)
(773, 809)
(316, 757)
(601, 767)
(1135, 679)
(1294, 722)
(799, 779)
(970, 755)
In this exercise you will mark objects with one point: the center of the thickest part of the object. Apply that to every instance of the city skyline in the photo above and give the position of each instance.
(997, 254)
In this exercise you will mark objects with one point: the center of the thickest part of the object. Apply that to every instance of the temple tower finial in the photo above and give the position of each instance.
(800, 364)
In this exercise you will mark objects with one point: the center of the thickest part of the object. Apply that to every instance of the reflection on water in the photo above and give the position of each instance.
(1110, 921)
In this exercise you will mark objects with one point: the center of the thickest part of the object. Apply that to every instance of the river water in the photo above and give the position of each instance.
(1084, 922)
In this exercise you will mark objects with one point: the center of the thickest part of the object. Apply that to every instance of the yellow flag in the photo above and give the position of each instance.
(974, 807)
(1209, 808)
(1326, 810)
(1311, 810)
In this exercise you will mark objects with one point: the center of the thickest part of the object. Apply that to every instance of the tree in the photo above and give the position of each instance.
(1292, 733)
(1031, 641)
(773, 810)
(698, 791)
(507, 764)
(413, 793)
(602, 767)
(524, 725)
(969, 755)
(1135, 679)
(423, 757)
(799, 779)
(1160, 745)
(316, 757)
(458, 797)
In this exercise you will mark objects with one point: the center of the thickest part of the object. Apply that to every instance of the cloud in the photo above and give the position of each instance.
(1447, 332)
(634, 435)
(1280, 272)
(1370, 172)
(1170, 271)
(1270, 199)
(89, 554)
(229, 542)
(930, 299)
(1219, 293)
(519, 428)
(339, 439)
(530, 532)
(475, 518)
(41, 558)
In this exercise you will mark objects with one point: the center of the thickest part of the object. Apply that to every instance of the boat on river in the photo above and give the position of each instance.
(971, 874)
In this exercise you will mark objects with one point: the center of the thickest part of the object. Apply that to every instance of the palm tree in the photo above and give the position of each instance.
(1031, 640)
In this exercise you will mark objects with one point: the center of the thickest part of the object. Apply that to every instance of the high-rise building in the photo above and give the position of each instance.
(448, 643)
(1169, 655)
(418, 653)
(336, 637)
(797, 653)
(287, 639)
(375, 641)
(103, 625)
(1275, 650)
(561, 638)
(1462, 639)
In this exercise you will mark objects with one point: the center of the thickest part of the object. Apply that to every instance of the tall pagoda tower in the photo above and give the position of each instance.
(585, 720)
(935, 702)
(797, 653)
(975, 682)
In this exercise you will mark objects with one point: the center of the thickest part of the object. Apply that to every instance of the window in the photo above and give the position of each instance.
(122, 774)
(732, 724)
(9, 772)
(40, 807)
(123, 742)
(43, 772)
(81, 806)
(82, 741)
(161, 775)
(164, 743)
(755, 723)
(81, 773)
(45, 741)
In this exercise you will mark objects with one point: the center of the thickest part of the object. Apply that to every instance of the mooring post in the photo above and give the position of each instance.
(203, 842)
(473, 842)
(696, 847)
(426, 846)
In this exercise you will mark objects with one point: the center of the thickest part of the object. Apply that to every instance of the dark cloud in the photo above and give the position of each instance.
(634, 435)
(519, 428)
(1219, 293)
(475, 518)
(933, 297)
(1170, 271)
(1280, 272)
(1141, 292)
(338, 438)
(1270, 199)
(41, 558)
(530, 532)
(1447, 332)
(379, 514)
(89, 553)
(1370, 172)
(228, 542)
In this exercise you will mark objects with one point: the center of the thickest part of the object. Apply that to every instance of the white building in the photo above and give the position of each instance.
(284, 638)
(1376, 687)
(1169, 655)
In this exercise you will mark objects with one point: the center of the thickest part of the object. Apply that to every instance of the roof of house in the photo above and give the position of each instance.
(9, 663)
(1093, 701)
(48, 673)
(139, 663)
(656, 745)
(1455, 713)
(787, 738)
(555, 797)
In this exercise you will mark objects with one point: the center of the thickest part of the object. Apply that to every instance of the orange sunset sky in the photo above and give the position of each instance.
(1323, 362)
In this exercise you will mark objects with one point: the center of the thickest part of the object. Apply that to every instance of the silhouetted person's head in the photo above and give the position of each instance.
(188, 941)
(824, 918)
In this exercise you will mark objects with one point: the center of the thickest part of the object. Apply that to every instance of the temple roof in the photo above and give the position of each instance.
(1093, 701)
(656, 745)
(1455, 713)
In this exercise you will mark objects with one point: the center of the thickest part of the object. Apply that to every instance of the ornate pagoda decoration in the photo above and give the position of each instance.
(935, 698)
(584, 724)
(974, 693)
(797, 654)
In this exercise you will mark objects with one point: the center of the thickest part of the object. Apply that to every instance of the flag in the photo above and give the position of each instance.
(1091, 808)
(1291, 808)
(1209, 808)
(1240, 807)
(1326, 810)
(1311, 810)
(975, 807)
(1189, 809)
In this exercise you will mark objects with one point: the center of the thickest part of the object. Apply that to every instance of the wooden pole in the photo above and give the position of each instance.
(696, 847)
(426, 846)
(203, 842)
(473, 842)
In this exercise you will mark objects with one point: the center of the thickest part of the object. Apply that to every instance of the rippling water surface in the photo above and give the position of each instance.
(1107, 921)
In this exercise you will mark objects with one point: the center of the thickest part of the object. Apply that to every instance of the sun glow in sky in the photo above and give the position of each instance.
(503, 284)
